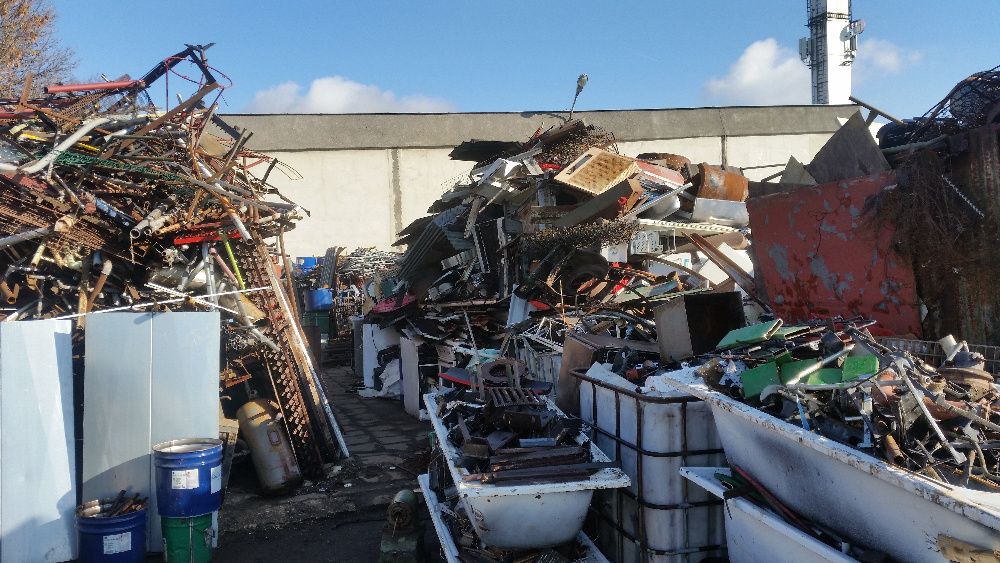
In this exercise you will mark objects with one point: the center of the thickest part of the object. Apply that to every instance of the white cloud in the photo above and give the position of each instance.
(765, 74)
(336, 94)
(878, 56)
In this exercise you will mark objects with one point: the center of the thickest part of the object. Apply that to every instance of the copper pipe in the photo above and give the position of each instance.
(892, 451)
(99, 286)
(10, 293)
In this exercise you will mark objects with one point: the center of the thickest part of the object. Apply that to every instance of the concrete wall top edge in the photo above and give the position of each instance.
(297, 132)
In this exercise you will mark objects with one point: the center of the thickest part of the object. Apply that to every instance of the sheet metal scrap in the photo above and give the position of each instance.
(560, 227)
(107, 203)
(836, 380)
(516, 442)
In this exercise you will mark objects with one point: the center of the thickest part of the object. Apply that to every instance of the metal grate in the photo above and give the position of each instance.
(932, 353)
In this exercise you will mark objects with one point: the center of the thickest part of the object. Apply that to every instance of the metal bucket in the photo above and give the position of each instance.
(114, 539)
(188, 476)
(187, 540)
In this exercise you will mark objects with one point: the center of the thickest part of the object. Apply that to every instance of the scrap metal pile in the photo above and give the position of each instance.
(510, 435)
(501, 436)
(836, 380)
(561, 233)
(110, 204)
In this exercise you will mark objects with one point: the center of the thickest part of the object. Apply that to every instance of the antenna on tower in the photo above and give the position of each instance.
(830, 49)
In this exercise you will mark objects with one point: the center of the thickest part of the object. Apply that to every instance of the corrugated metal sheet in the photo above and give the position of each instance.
(819, 260)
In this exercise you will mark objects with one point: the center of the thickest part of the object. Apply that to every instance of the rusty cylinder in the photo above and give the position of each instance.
(715, 183)
(9, 293)
(893, 453)
(271, 453)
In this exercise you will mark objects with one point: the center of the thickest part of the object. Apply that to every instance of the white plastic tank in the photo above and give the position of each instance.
(270, 450)
(661, 517)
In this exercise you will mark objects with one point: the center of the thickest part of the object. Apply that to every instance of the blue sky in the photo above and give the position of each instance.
(450, 55)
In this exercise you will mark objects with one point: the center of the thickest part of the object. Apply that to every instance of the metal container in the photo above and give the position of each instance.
(114, 539)
(270, 449)
(188, 476)
(716, 183)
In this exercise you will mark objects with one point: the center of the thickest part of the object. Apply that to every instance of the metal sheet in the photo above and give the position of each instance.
(37, 460)
(148, 378)
(116, 409)
(818, 259)
(184, 388)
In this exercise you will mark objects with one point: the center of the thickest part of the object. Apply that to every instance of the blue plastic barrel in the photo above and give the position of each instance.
(188, 477)
(319, 299)
(115, 539)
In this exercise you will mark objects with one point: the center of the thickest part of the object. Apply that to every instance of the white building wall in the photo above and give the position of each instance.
(363, 197)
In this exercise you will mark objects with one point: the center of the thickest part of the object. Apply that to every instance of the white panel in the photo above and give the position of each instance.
(410, 371)
(185, 387)
(38, 475)
(116, 404)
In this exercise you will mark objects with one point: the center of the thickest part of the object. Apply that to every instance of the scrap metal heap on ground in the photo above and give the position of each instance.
(110, 204)
(518, 247)
(659, 265)
(835, 379)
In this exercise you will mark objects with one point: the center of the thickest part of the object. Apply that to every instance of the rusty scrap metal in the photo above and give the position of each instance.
(107, 204)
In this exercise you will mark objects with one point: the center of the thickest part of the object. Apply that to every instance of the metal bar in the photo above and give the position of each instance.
(93, 86)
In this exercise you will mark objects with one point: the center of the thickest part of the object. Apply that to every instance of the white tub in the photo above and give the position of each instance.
(872, 503)
(448, 546)
(755, 535)
(525, 516)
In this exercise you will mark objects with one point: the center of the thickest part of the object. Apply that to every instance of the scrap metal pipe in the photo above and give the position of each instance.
(61, 224)
(99, 286)
(10, 293)
(93, 86)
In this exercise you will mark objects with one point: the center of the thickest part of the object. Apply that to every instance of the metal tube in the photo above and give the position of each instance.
(232, 257)
(25, 236)
(10, 293)
(141, 305)
(105, 271)
(222, 265)
(819, 365)
(959, 457)
(92, 87)
(206, 260)
(38, 165)
(194, 298)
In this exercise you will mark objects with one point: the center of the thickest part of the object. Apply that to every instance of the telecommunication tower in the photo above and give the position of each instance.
(830, 48)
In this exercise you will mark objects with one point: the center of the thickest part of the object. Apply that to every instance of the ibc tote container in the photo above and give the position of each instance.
(661, 517)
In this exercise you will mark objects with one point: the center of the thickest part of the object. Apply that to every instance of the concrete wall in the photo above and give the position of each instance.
(365, 176)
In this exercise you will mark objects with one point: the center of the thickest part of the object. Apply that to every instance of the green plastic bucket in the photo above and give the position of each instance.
(317, 318)
(187, 540)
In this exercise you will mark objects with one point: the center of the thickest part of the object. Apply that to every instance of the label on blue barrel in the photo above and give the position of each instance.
(216, 479)
(184, 479)
(117, 543)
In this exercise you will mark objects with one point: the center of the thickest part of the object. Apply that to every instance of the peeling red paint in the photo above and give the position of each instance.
(818, 261)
